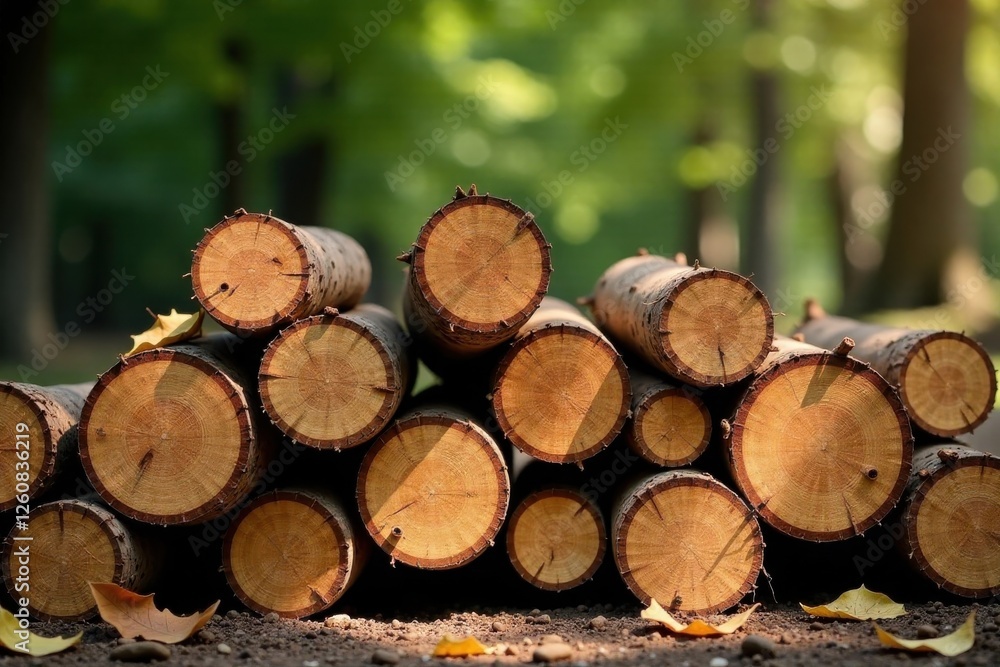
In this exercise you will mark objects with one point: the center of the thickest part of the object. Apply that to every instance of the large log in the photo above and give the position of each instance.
(175, 435)
(561, 392)
(819, 444)
(334, 381)
(70, 543)
(671, 425)
(946, 379)
(684, 539)
(40, 425)
(478, 270)
(433, 489)
(293, 552)
(950, 517)
(255, 273)
(704, 327)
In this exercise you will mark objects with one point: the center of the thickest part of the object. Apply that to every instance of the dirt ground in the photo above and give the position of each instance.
(622, 639)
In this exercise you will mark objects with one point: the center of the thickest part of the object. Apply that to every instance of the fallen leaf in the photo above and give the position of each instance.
(135, 615)
(167, 330)
(453, 647)
(859, 604)
(951, 645)
(697, 627)
(24, 642)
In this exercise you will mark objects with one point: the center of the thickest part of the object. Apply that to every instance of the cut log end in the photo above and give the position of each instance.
(293, 553)
(433, 489)
(556, 539)
(671, 427)
(948, 384)
(684, 539)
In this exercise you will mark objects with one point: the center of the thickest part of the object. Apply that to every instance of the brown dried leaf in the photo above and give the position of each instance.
(136, 616)
(697, 627)
(167, 330)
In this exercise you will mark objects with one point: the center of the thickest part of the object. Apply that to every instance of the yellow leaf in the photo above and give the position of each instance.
(697, 627)
(453, 647)
(860, 604)
(135, 615)
(957, 642)
(167, 330)
(21, 641)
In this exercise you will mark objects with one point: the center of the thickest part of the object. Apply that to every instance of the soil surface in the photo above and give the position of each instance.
(621, 638)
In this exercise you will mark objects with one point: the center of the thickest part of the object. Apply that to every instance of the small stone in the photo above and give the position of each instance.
(938, 604)
(121, 641)
(718, 661)
(598, 623)
(412, 636)
(207, 636)
(535, 612)
(245, 654)
(224, 649)
(926, 632)
(815, 625)
(310, 663)
(786, 638)
(337, 621)
(990, 627)
(385, 657)
(756, 645)
(757, 659)
(511, 650)
(140, 652)
(581, 607)
(271, 618)
(498, 626)
(311, 635)
(232, 614)
(528, 641)
(541, 619)
(396, 624)
(625, 632)
(551, 639)
(552, 653)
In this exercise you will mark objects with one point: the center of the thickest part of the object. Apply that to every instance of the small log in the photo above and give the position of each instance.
(255, 273)
(335, 380)
(174, 435)
(704, 327)
(561, 392)
(950, 513)
(946, 380)
(671, 425)
(820, 444)
(478, 270)
(40, 425)
(433, 489)
(292, 552)
(71, 543)
(684, 539)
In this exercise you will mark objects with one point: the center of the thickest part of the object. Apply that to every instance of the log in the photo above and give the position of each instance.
(334, 381)
(256, 274)
(704, 327)
(684, 539)
(946, 380)
(561, 392)
(293, 552)
(40, 426)
(671, 425)
(819, 444)
(478, 270)
(71, 543)
(950, 515)
(175, 435)
(433, 489)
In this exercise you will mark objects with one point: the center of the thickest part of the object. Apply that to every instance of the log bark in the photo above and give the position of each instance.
(946, 379)
(684, 539)
(256, 274)
(704, 327)
(478, 270)
(433, 489)
(293, 552)
(39, 423)
(71, 543)
(819, 444)
(175, 435)
(951, 503)
(335, 380)
(671, 425)
(561, 392)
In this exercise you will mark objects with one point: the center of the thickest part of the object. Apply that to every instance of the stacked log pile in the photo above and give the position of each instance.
(664, 437)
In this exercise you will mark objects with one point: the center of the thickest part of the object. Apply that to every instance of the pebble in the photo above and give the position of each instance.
(385, 657)
(990, 627)
(232, 614)
(581, 607)
(815, 625)
(337, 621)
(271, 618)
(224, 649)
(552, 653)
(541, 619)
(551, 639)
(121, 641)
(534, 612)
(396, 624)
(140, 652)
(718, 662)
(310, 635)
(786, 638)
(244, 654)
(597, 623)
(310, 663)
(757, 645)
(412, 636)
(938, 604)
(499, 626)
(926, 632)
(207, 636)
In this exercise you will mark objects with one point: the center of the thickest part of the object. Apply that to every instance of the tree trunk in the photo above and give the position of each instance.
(820, 444)
(232, 132)
(255, 273)
(704, 327)
(930, 219)
(334, 381)
(561, 392)
(671, 425)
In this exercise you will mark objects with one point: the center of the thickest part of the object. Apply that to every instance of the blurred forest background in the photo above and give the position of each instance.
(842, 149)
